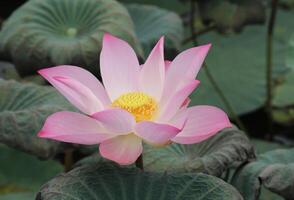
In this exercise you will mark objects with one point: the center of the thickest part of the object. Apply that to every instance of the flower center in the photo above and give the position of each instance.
(140, 105)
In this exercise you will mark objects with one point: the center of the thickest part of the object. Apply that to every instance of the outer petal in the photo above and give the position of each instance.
(119, 66)
(116, 120)
(152, 73)
(74, 128)
(202, 123)
(122, 149)
(184, 69)
(180, 118)
(79, 74)
(155, 133)
(186, 102)
(79, 95)
(171, 107)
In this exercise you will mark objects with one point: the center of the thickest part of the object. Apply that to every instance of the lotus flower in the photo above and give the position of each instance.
(136, 102)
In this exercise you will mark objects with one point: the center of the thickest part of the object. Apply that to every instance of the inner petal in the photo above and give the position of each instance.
(142, 106)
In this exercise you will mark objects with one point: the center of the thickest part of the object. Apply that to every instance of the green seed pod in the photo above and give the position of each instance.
(45, 33)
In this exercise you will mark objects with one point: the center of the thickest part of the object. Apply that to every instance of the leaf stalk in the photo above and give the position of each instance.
(269, 66)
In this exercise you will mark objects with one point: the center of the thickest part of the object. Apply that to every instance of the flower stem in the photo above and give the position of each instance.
(68, 160)
(208, 74)
(269, 65)
(139, 162)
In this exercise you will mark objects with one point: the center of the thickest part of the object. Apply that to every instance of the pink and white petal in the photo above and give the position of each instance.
(202, 123)
(79, 74)
(119, 66)
(184, 69)
(180, 118)
(152, 73)
(116, 120)
(186, 103)
(156, 133)
(79, 95)
(170, 108)
(167, 64)
(123, 149)
(74, 128)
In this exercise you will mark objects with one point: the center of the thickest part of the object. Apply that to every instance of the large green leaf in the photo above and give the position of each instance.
(230, 15)
(8, 72)
(263, 146)
(21, 175)
(287, 4)
(19, 196)
(106, 181)
(268, 195)
(290, 55)
(214, 156)
(152, 22)
(23, 110)
(273, 170)
(284, 116)
(44, 33)
(283, 101)
(284, 95)
(174, 5)
(237, 63)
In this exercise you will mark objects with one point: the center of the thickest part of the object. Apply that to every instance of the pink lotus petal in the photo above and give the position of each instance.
(186, 102)
(116, 120)
(202, 123)
(180, 118)
(123, 149)
(170, 108)
(119, 66)
(74, 128)
(167, 64)
(152, 73)
(156, 133)
(79, 95)
(79, 74)
(184, 69)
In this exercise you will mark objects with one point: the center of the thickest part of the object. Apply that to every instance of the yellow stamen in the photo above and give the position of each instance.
(140, 105)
